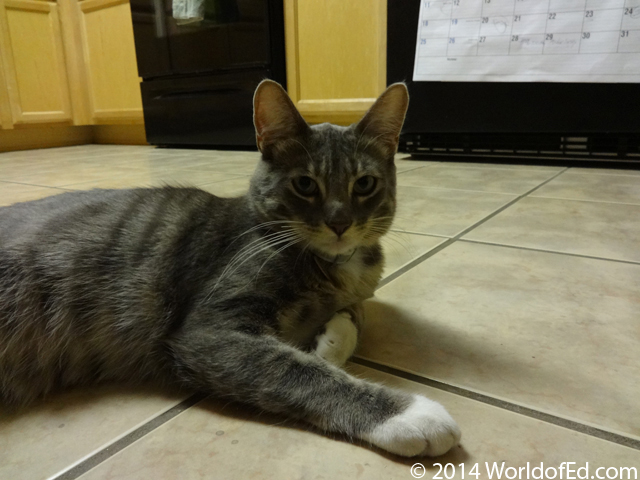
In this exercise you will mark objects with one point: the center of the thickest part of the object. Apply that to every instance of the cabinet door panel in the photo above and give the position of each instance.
(336, 57)
(6, 119)
(110, 61)
(34, 59)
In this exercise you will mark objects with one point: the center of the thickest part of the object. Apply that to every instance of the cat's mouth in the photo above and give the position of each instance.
(328, 244)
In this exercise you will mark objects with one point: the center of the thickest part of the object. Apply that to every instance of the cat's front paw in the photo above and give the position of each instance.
(339, 339)
(425, 428)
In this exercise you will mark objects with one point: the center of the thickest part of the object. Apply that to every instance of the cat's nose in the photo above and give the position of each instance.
(339, 227)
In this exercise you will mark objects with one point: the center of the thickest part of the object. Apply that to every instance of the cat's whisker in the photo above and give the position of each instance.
(247, 248)
(302, 251)
(305, 149)
(373, 139)
(360, 138)
(246, 252)
(396, 243)
(281, 249)
(258, 243)
(272, 223)
(234, 266)
(269, 225)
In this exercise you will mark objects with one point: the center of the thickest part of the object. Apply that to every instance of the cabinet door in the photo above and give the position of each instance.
(6, 120)
(33, 60)
(110, 61)
(336, 57)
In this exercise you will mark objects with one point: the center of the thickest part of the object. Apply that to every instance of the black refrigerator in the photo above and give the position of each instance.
(198, 78)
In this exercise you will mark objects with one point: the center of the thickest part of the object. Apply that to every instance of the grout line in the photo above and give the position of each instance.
(30, 185)
(488, 192)
(428, 187)
(619, 173)
(512, 407)
(109, 451)
(455, 238)
(542, 250)
(421, 234)
(392, 276)
(586, 200)
(415, 168)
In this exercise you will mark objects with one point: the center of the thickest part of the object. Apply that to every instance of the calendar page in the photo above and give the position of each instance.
(528, 41)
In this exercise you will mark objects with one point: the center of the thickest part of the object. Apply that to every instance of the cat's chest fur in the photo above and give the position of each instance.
(331, 288)
(355, 280)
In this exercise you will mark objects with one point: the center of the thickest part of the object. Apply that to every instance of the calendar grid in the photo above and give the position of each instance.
(546, 24)
(513, 13)
(582, 28)
(597, 39)
(620, 36)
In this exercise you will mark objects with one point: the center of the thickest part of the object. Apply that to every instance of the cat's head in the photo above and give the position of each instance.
(332, 186)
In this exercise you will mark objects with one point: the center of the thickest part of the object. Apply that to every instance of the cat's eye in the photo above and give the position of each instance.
(305, 186)
(365, 185)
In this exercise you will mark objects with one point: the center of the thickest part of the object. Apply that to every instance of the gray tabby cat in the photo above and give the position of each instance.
(255, 299)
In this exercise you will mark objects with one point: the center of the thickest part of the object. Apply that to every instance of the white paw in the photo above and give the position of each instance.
(339, 339)
(425, 428)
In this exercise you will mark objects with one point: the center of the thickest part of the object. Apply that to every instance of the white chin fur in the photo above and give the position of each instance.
(425, 428)
(334, 248)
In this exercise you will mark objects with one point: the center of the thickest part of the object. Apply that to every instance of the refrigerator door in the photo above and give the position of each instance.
(234, 34)
(152, 42)
(212, 110)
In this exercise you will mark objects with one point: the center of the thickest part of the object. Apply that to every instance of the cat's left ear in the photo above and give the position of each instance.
(384, 119)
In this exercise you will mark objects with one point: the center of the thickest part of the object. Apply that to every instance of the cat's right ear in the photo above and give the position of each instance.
(275, 116)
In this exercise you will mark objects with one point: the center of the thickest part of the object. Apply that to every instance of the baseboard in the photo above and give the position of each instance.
(48, 136)
(120, 134)
(27, 138)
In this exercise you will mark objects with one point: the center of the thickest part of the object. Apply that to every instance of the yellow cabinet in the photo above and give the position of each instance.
(67, 61)
(32, 54)
(336, 57)
(6, 120)
(111, 72)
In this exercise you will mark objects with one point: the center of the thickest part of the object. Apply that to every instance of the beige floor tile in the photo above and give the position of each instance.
(178, 178)
(62, 174)
(459, 162)
(237, 155)
(588, 228)
(606, 171)
(215, 440)
(554, 332)
(65, 173)
(240, 167)
(482, 178)
(15, 192)
(442, 211)
(229, 188)
(404, 163)
(401, 248)
(593, 186)
(44, 439)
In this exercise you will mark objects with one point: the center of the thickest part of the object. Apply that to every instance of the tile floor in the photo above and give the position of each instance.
(511, 295)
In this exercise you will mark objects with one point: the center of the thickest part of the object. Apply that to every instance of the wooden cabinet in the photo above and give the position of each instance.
(108, 48)
(336, 57)
(32, 54)
(6, 119)
(68, 61)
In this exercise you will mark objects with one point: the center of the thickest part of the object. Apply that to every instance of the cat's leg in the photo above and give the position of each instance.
(339, 338)
(262, 371)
